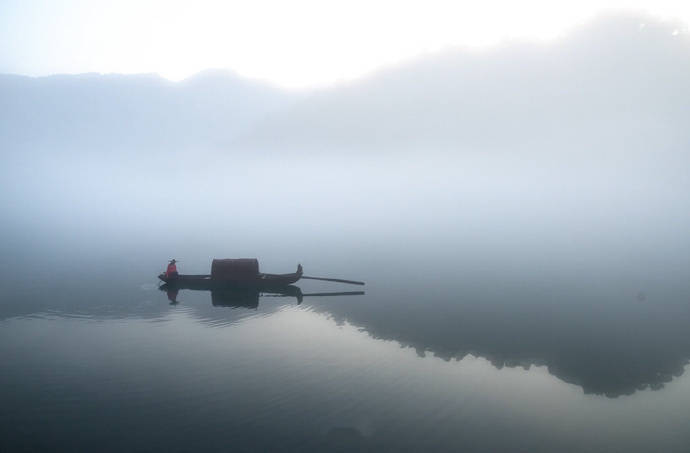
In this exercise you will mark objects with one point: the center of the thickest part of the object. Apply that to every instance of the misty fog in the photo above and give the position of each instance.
(572, 149)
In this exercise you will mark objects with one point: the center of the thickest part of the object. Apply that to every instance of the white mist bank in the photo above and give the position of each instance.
(576, 145)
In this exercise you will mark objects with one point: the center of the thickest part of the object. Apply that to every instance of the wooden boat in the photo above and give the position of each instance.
(229, 273)
(241, 273)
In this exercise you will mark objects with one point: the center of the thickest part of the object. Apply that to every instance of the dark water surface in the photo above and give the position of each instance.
(527, 319)
(430, 358)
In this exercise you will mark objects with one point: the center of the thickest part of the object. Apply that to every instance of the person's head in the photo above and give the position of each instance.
(172, 261)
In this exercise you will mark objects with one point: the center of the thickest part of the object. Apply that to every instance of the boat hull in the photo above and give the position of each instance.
(206, 282)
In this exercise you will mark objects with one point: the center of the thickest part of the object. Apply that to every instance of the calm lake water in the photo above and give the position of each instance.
(485, 326)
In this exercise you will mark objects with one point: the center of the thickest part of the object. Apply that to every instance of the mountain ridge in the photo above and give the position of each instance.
(611, 83)
(116, 109)
(619, 83)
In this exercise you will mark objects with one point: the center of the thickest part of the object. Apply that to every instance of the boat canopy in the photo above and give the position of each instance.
(232, 269)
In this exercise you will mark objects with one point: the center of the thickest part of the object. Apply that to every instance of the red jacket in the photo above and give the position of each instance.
(172, 269)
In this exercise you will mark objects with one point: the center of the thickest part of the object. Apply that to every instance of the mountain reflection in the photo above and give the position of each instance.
(607, 347)
(606, 340)
(606, 343)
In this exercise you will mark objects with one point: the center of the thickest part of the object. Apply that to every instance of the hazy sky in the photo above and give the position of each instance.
(294, 43)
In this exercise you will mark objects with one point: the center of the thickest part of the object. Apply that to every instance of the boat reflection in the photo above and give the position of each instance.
(248, 297)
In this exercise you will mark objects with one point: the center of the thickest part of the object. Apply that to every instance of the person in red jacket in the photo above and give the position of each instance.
(172, 269)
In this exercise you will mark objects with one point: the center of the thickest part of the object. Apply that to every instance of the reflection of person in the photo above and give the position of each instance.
(172, 269)
(172, 296)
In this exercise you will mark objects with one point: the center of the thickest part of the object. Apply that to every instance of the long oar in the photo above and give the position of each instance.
(352, 282)
(344, 293)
